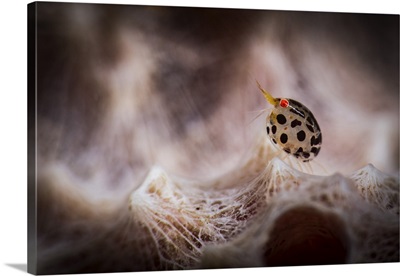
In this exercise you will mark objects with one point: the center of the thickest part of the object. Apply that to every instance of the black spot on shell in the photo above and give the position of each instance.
(273, 129)
(273, 140)
(319, 139)
(295, 103)
(295, 123)
(310, 128)
(298, 112)
(267, 129)
(287, 150)
(313, 141)
(311, 119)
(316, 141)
(298, 152)
(301, 135)
(283, 138)
(306, 154)
(315, 150)
(281, 119)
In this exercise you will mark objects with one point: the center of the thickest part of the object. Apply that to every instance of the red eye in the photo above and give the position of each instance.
(284, 103)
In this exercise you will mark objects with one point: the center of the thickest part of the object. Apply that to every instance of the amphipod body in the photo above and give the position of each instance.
(293, 128)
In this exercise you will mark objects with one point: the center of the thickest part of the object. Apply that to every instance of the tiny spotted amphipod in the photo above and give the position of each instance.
(293, 128)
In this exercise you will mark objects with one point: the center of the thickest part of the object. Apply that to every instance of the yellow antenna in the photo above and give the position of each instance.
(268, 96)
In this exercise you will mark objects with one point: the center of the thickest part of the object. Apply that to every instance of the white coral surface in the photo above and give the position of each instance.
(268, 216)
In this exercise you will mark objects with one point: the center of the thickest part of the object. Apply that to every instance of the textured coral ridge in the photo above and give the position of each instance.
(263, 213)
(268, 216)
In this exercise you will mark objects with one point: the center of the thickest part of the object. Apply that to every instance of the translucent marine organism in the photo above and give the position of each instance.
(293, 128)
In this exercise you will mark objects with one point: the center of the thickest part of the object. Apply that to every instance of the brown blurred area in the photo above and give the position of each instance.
(132, 86)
